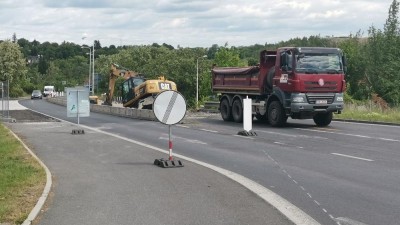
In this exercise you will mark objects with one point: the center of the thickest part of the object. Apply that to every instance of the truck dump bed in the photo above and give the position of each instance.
(235, 79)
(244, 80)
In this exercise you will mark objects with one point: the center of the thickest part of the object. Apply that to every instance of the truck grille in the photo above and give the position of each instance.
(314, 86)
(312, 98)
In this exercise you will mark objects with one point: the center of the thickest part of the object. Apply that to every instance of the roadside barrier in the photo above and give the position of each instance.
(143, 114)
(212, 107)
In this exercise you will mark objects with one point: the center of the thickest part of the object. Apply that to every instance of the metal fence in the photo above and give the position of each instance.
(5, 100)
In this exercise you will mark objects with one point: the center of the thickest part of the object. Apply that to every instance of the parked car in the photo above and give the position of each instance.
(36, 94)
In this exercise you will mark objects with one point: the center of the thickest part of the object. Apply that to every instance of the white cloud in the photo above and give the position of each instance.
(327, 14)
(297, 5)
(186, 22)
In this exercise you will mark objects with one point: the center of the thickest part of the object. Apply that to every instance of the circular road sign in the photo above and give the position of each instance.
(169, 107)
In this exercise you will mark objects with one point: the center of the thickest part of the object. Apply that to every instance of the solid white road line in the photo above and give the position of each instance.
(344, 220)
(353, 157)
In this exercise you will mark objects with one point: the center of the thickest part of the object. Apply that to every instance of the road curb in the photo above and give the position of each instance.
(366, 122)
(42, 199)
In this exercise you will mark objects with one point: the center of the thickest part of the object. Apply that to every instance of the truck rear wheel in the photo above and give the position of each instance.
(270, 78)
(276, 114)
(237, 111)
(323, 119)
(226, 110)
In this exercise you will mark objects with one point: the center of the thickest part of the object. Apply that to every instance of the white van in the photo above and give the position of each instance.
(48, 91)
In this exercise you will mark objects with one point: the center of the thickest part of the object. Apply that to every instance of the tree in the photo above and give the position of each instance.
(383, 53)
(12, 67)
(43, 65)
(212, 51)
(170, 47)
(14, 38)
(357, 81)
(227, 58)
(97, 44)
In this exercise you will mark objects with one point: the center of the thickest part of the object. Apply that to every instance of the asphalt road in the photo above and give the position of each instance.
(347, 173)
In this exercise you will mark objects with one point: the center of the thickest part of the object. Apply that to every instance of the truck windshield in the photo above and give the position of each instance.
(319, 63)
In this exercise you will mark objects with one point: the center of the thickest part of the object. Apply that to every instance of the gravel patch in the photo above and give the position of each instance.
(21, 116)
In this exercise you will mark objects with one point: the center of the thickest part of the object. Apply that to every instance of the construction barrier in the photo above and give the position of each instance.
(143, 114)
(4, 100)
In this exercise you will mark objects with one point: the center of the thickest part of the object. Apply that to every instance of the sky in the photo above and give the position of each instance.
(187, 23)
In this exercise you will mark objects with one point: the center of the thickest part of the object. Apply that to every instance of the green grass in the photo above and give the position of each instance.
(22, 179)
(369, 112)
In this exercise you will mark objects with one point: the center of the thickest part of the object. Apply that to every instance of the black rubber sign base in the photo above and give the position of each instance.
(247, 133)
(78, 132)
(168, 163)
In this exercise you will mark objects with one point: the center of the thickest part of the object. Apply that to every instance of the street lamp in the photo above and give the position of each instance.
(197, 81)
(93, 70)
(90, 63)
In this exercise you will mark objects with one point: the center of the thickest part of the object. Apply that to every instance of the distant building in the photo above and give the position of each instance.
(33, 59)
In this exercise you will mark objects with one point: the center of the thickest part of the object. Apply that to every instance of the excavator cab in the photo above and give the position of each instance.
(128, 89)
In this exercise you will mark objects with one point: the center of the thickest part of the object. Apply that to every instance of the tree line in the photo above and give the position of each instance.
(373, 65)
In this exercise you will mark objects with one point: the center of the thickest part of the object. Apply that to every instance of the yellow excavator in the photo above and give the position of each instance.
(136, 90)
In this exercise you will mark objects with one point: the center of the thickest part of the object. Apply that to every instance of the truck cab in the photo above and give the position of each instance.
(310, 81)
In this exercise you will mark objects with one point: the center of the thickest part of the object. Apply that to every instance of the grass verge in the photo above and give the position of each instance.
(371, 113)
(22, 179)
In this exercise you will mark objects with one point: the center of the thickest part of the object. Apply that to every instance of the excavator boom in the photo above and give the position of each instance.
(116, 72)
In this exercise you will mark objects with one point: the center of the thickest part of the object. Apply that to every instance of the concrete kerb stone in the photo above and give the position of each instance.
(122, 111)
(134, 113)
(129, 112)
(114, 111)
(142, 114)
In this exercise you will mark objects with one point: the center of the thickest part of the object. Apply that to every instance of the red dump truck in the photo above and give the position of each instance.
(300, 82)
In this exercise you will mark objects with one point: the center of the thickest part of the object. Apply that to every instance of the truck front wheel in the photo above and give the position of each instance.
(226, 110)
(237, 111)
(323, 119)
(276, 114)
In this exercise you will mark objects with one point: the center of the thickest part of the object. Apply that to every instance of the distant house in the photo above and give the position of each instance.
(32, 59)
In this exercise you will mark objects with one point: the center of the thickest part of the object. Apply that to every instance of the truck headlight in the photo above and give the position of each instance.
(298, 99)
(339, 99)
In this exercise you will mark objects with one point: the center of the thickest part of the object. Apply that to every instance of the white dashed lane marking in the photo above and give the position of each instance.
(352, 157)
(212, 131)
(308, 194)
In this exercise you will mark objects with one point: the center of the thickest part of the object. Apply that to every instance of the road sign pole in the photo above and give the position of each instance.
(77, 105)
(169, 107)
(170, 143)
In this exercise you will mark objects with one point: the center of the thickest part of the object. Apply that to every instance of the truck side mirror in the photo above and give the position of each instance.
(284, 61)
(344, 64)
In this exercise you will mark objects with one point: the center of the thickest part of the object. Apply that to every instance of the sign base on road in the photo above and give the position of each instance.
(168, 163)
(78, 131)
(247, 133)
